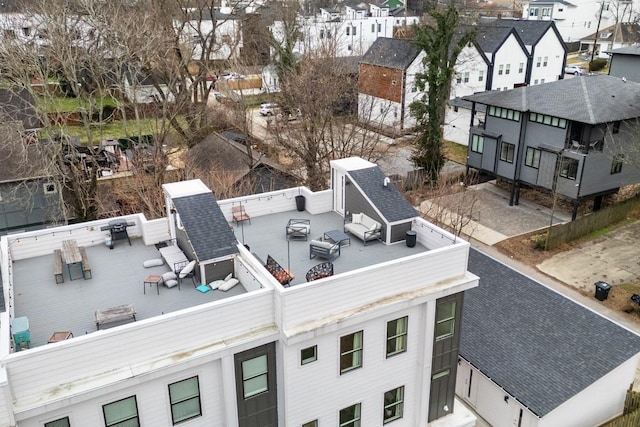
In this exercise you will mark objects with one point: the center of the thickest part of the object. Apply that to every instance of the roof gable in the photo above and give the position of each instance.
(205, 226)
(539, 346)
(391, 53)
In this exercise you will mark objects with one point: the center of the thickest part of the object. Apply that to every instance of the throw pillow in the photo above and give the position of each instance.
(153, 263)
(170, 283)
(203, 288)
(228, 284)
(187, 269)
(374, 226)
(356, 218)
(229, 276)
(216, 284)
(169, 275)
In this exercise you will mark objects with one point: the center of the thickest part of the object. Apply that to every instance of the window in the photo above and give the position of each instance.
(348, 30)
(393, 405)
(184, 397)
(350, 352)
(445, 320)
(321, 34)
(616, 165)
(50, 188)
(533, 11)
(548, 120)
(373, 28)
(546, 11)
(254, 376)
(481, 75)
(506, 152)
(466, 77)
(397, 336)
(477, 143)
(349, 47)
(440, 374)
(122, 413)
(26, 31)
(500, 69)
(354, 31)
(541, 81)
(560, 9)
(569, 168)
(458, 78)
(545, 61)
(616, 127)
(313, 423)
(535, 82)
(308, 355)
(538, 61)
(532, 157)
(507, 69)
(350, 417)
(504, 113)
(521, 68)
(62, 422)
(379, 27)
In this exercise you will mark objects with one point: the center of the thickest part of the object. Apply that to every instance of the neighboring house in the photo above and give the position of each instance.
(625, 62)
(375, 342)
(350, 31)
(625, 34)
(531, 357)
(571, 137)
(574, 19)
(218, 33)
(144, 87)
(387, 83)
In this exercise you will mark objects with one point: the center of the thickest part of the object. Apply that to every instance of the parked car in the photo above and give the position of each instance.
(269, 109)
(574, 69)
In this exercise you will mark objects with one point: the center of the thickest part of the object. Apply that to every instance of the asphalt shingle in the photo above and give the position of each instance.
(391, 53)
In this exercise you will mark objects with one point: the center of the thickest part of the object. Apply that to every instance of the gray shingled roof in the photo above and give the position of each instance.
(629, 50)
(391, 53)
(530, 31)
(490, 37)
(389, 201)
(17, 103)
(538, 345)
(587, 99)
(206, 226)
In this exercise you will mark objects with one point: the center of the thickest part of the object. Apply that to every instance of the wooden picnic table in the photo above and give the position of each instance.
(72, 256)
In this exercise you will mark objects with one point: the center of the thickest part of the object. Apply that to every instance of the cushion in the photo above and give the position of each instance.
(187, 269)
(216, 284)
(325, 245)
(170, 283)
(203, 288)
(228, 284)
(374, 226)
(229, 276)
(356, 218)
(153, 263)
(169, 275)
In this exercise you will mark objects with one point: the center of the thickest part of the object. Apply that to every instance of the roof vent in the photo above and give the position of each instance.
(624, 80)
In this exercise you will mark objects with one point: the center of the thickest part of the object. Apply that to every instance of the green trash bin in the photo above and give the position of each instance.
(602, 290)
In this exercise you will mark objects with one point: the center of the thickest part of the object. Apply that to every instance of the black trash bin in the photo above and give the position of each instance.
(300, 203)
(410, 238)
(602, 290)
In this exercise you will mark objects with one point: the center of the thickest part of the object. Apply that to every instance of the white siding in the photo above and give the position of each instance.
(379, 111)
(456, 125)
(510, 54)
(550, 47)
(471, 65)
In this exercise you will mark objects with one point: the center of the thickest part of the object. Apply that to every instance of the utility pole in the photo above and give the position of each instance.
(595, 39)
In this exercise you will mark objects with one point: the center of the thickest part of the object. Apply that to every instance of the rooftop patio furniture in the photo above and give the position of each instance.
(118, 231)
(86, 267)
(188, 271)
(324, 249)
(57, 266)
(320, 271)
(239, 214)
(283, 276)
(364, 228)
(298, 229)
(175, 258)
(112, 314)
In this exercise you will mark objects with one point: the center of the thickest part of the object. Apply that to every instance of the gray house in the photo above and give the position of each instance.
(625, 62)
(572, 136)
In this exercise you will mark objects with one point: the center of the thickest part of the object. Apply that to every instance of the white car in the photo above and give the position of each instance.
(576, 70)
(269, 109)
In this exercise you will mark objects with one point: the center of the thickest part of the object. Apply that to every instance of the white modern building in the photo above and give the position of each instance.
(373, 340)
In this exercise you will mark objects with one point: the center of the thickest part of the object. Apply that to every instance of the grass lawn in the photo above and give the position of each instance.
(62, 104)
(455, 152)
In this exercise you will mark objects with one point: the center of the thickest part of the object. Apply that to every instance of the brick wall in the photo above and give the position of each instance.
(380, 82)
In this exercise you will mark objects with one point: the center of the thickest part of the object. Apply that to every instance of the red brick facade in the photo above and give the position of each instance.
(381, 82)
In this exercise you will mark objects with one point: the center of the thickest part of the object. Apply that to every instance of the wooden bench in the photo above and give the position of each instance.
(112, 314)
(57, 266)
(86, 267)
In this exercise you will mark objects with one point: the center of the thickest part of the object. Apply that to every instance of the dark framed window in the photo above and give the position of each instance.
(532, 158)
(481, 75)
(397, 336)
(62, 422)
(393, 405)
(313, 423)
(308, 355)
(350, 416)
(445, 320)
(184, 397)
(254, 376)
(521, 68)
(507, 152)
(548, 120)
(500, 69)
(616, 164)
(466, 77)
(121, 413)
(477, 143)
(545, 61)
(569, 168)
(504, 113)
(507, 69)
(351, 352)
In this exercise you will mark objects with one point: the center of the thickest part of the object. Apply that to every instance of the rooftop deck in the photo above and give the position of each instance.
(118, 275)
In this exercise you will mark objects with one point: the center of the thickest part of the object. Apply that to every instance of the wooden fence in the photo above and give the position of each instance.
(631, 415)
(573, 230)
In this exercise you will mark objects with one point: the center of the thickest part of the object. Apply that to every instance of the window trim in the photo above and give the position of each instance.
(194, 397)
(50, 423)
(354, 351)
(477, 143)
(451, 319)
(532, 157)
(354, 422)
(312, 423)
(510, 153)
(616, 163)
(306, 361)
(136, 416)
(397, 337)
(398, 404)
(264, 373)
(569, 168)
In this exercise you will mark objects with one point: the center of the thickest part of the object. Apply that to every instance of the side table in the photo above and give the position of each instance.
(152, 279)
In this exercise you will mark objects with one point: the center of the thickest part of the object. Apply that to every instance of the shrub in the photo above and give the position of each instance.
(597, 64)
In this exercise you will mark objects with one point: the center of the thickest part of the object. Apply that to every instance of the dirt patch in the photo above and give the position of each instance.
(524, 248)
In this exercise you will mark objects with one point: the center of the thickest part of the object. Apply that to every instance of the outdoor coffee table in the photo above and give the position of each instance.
(338, 236)
(152, 279)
